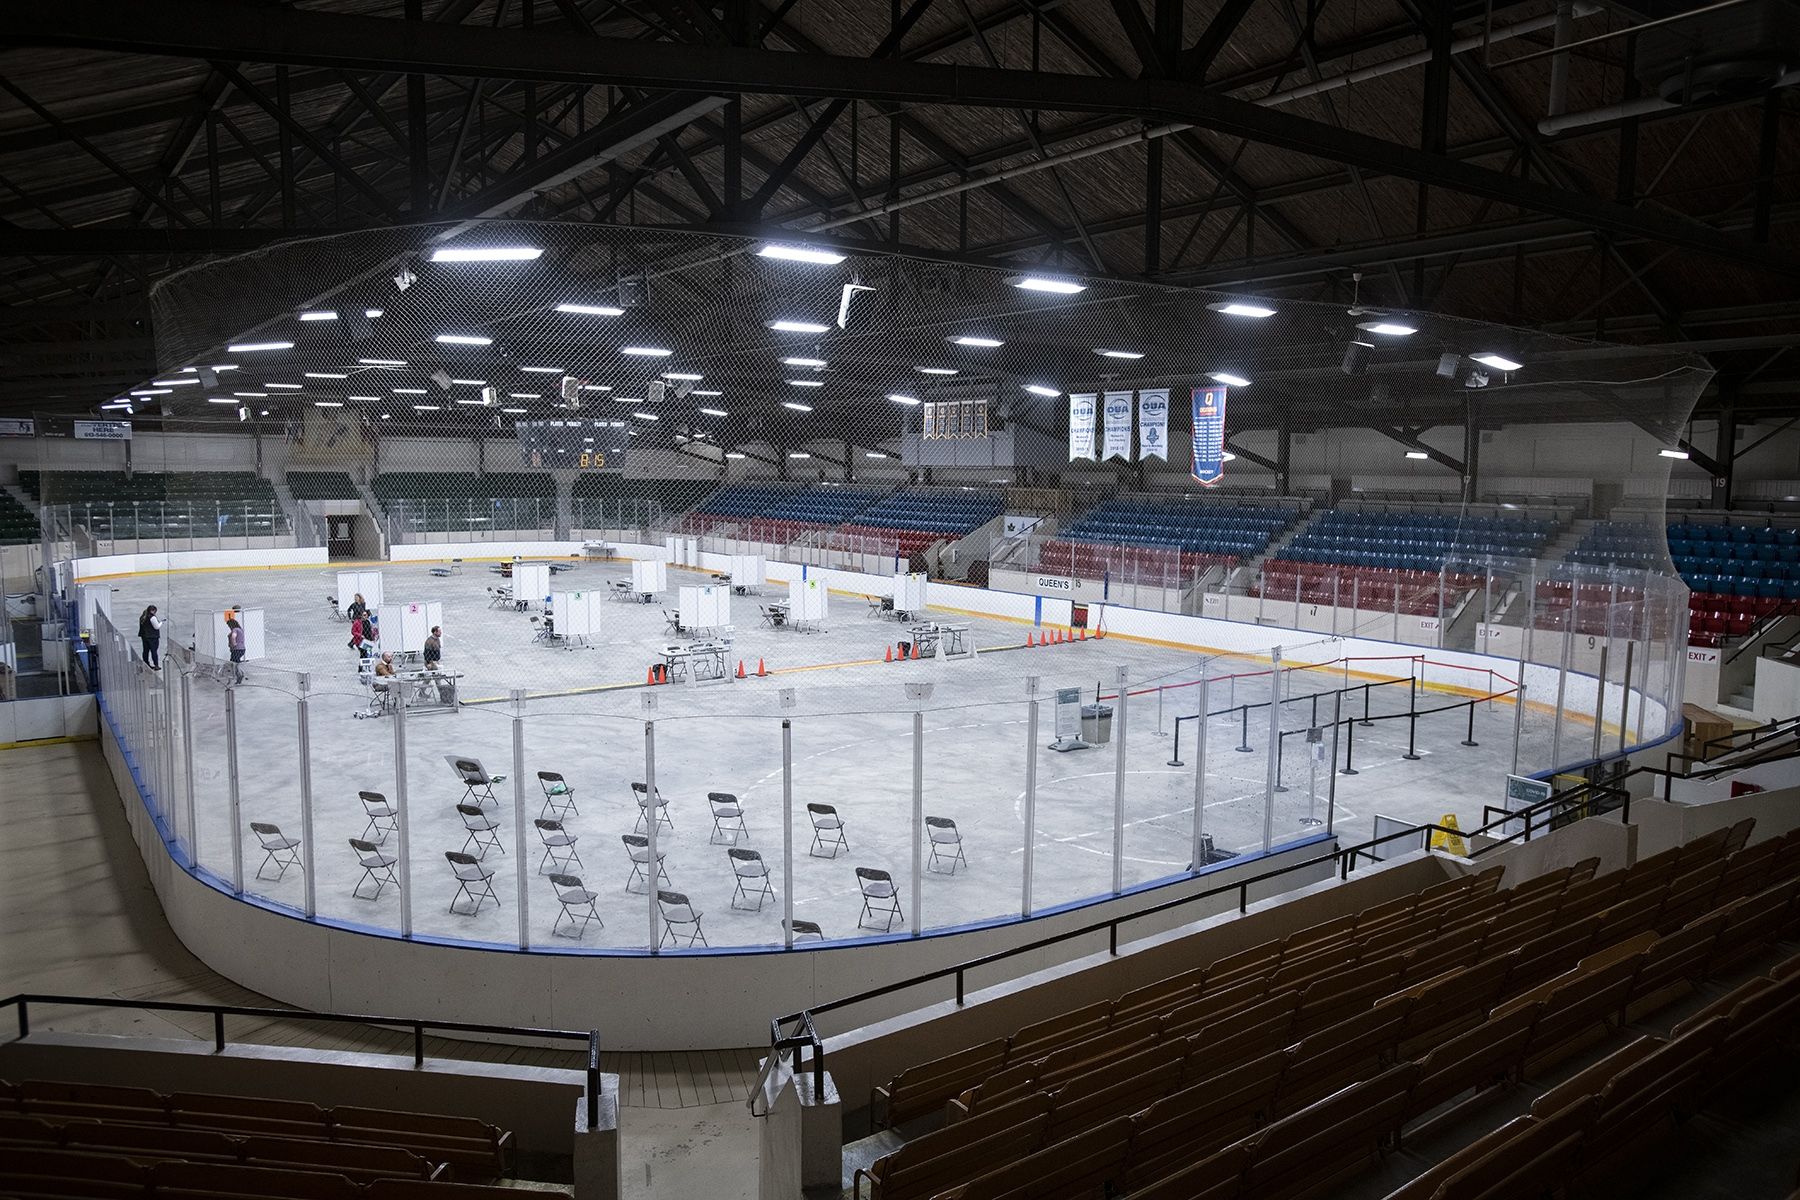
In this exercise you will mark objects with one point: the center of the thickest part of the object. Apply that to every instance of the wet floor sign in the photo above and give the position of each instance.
(1447, 838)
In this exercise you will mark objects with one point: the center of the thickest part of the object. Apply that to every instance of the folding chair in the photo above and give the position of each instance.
(675, 911)
(828, 830)
(748, 867)
(380, 813)
(946, 842)
(804, 929)
(483, 829)
(642, 795)
(559, 844)
(577, 906)
(478, 785)
(377, 864)
(637, 846)
(469, 871)
(558, 795)
(726, 811)
(278, 848)
(673, 621)
(879, 894)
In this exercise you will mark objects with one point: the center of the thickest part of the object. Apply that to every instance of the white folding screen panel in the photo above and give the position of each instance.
(576, 613)
(807, 600)
(531, 581)
(350, 584)
(706, 607)
(748, 570)
(406, 626)
(97, 596)
(211, 638)
(909, 592)
(648, 575)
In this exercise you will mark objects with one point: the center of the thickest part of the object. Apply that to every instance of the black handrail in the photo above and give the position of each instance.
(23, 1001)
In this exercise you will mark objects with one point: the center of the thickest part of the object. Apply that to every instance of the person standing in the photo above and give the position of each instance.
(358, 609)
(234, 641)
(359, 634)
(434, 648)
(150, 635)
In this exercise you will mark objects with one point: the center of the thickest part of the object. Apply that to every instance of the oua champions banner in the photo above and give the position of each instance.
(1209, 434)
(1118, 426)
(1081, 426)
(1153, 424)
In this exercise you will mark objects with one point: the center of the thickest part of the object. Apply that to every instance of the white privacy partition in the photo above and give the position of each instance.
(210, 634)
(808, 601)
(97, 597)
(648, 576)
(577, 614)
(748, 570)
(909, 592)
(350, 584)
(706, 607)
(406, 626)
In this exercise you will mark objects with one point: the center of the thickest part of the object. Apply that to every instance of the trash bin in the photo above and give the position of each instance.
(1096, 724)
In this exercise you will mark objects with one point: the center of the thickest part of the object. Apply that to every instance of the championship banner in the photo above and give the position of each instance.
(1209, 434)
(1118, 426)
(1081, 426)
(1153, 424)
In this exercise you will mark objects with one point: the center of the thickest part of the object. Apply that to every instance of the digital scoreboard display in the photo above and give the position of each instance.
(574, 443)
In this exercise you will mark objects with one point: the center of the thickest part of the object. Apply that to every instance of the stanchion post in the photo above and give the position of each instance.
(306, 798)
(1366, 723)
(1350, 753)
(1031, 737)
(1469, 738)
(1280, 747)
(231, 768)
(1199, 851)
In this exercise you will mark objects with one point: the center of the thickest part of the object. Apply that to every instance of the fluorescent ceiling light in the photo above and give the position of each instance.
(901, 398)
(285, 387)
(425, 408)
(935, 370)
(984, 343)
(798, 454)
(153, 392)
(174, 382)
(1049, 283)
(796, 406)
(525, 395)
(485, 254)
(474, 403)
(734, 454)
(464, 339)
(596, 387)
(323, 314)
(216, 400)
(627, 399)
(705, 392)
(471, 382)
(542, 370)
(1673, 453)
(1497, 361)
(409, 391)
(382, 362)
(683, 375)
(785, 326)
(803, 362)
(327, 375)
(646, 416)
(645, 351)
(1228, 379)
(591, 310)
(1388, 328)
(1417, 454)
(252, 395)
(370, 399)
(372, 313)
(806, 254)
(1227, 456)
(807, 382)
(873, 454)
(384, 416)
(715, 412)
(328, 404)
(253, 347)
(514, 411)
(1118, 354)
(1237, 309)
(1038, 389)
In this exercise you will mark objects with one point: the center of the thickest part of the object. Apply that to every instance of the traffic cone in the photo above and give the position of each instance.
(890, 653)
(740, 674)
(902, 651)
(650, 677)
(1030, 641)
(662, 673)
(761, 670)
(1083, 636)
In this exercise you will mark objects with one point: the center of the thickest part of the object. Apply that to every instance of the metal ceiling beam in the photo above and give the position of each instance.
(1198, 59)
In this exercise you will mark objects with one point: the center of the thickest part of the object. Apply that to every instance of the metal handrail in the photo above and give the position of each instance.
(22, 1002)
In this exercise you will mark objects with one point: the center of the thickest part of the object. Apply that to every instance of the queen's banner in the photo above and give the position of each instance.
(1118, 426)
(1209, 434)
(1153, 424)
(1081, 426)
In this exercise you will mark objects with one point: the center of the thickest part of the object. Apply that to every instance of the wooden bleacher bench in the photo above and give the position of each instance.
(47, 1098)
(1514, 1159)
(465, 1143)
(206, 1181)
(929, 1164)
(926, 1087)
(35, 1172)
(362, 1164)
(419, 1189)
(249, 1114)
(1078, 1167)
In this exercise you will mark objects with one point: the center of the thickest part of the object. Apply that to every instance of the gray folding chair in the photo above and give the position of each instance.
(752, 875)
(377, 864)
(472, 880)
(637, 846)
(484, 830)
(880, 896)
(380, 813)
(828, 830)
(678, 914)
(577, 906)
(728, 817)
(804, 929)
(946, 844)
(559, 797)
(559, 845)
(478, 785)
(641, 794)
(278, 849)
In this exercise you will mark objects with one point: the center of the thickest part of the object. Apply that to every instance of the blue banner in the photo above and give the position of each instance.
(1209, 434)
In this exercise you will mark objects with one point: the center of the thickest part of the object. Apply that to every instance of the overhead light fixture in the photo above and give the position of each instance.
(542, 370)
(226, 366)
(1681, 454)
(805, 254)
(467, 254)
(645, 351)
(596, 387)
(285, 387)
(153, 392)
(255, 347)
(815, 363)
(1388, 328)
(169, 383)
(902, 398)
(252, 395)
(591, 310)
(873, 454)
(683, 375)
(215, 400)
(788, 326)
(328, 404)
(368, 399)
(1417, 454)
(715, 412)
(382, 362)
(323, 314)
(982, 343)
(1234, 308)
(1227, 456)
(1038, 389)
(525, 395)
(514, 411)
(1497, 361)
(646, 416)
(403, 279)
(409, 391)
(471, 382)
(1118, 354)
(798, 454)
(425, 408)
(1049, 283)
(796, 406)
(372, 313)
(705, 392)
(935, 370)
(850, 292)
(463, 339)
(1228, 379)
(327, 374)
(735, 454)
(478, 402)
(384, 416)
(807, 382)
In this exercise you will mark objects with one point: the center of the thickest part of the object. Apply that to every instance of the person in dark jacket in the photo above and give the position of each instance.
(434, 648)
(150, 635)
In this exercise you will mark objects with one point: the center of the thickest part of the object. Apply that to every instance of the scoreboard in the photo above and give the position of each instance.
(574, 443)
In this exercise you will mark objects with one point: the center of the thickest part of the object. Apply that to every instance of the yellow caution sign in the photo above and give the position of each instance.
(1447, 838)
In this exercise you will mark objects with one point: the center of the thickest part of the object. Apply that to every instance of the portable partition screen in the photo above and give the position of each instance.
(210, 634)
(748, 570)
(351, 584)
(1394, 849)
(531, 581)
(406, 626)
(909, 592)
(94, 596)
(808, 600)
(576, 613)
(649, 575)
(705, 607)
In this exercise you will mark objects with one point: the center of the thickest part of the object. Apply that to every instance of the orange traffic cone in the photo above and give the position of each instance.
(650, 676)
(662, 673)
(761, 670)
(740, 674)
(890, 654)
(1030, 640)
(1083, 636)
(902, 651)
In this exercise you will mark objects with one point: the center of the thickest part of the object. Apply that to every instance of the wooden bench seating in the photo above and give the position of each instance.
(465, 1143)
(205, 1181)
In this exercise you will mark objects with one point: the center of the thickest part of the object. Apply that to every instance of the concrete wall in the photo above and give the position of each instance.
(47, 717)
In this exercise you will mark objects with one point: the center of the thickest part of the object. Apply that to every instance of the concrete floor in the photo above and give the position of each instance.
(851, 721)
